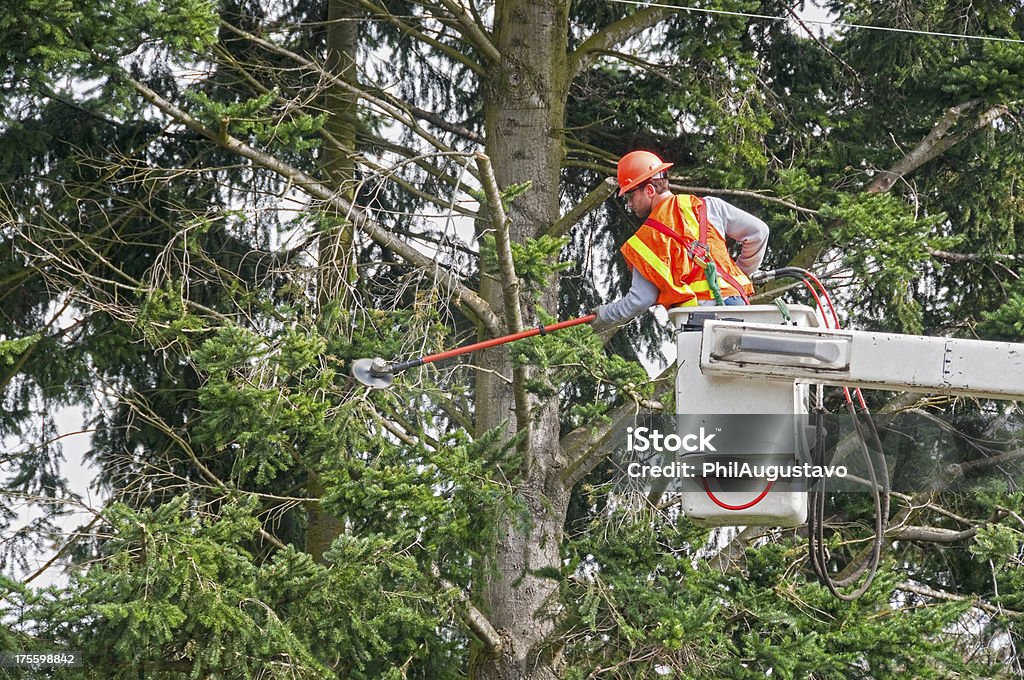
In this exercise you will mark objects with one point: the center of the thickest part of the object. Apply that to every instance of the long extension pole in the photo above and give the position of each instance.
(379, 373)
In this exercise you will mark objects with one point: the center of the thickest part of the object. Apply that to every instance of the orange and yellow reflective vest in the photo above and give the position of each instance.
(664, 251)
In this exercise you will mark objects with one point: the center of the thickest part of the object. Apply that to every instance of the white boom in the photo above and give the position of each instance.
(751, 360)
(887, 361)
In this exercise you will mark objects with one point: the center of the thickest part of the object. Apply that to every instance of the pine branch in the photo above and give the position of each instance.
(464, 296)
(931, 147)
(614, 34)
(141, 408)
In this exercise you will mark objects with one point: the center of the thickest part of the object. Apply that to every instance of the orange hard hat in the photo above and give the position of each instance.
(637, 166)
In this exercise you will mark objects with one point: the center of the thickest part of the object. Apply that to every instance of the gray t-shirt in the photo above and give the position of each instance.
(739, 225)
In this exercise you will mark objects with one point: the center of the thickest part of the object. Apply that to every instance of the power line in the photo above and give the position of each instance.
(834, 24)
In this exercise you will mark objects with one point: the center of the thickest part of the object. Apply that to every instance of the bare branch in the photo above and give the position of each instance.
(936, 142)
(420, 162)
(599, 195)
(983, 463)
(953, 597)
(391, 105)
(146, 413)
(413, 190)
(64, 549)
(333, 141)
(463, 295)
(931, 147)
(990, 261)
(614, 34)
(499, 220)
(926, 497)
(473, 32)
(930, 534)
(447, 50)
(970, 257)
(796, 17)
(586, 446)
(727, 559)
(509, 288)
(745, 194)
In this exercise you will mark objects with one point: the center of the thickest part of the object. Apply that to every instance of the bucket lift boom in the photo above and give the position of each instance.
(750, 360)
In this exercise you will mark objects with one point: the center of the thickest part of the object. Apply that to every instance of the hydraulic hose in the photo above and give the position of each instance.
(865, 566)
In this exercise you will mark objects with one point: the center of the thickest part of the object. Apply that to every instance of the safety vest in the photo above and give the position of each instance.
(667, 250)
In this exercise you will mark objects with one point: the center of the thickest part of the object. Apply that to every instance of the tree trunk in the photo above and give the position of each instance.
(335, 242)
(525, 112)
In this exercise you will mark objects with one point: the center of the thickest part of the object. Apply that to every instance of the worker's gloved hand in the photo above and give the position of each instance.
(602, 323)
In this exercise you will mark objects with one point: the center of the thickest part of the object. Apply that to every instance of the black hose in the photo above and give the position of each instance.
(816, 547)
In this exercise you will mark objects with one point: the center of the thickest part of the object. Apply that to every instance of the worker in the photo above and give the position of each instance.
(681, 242)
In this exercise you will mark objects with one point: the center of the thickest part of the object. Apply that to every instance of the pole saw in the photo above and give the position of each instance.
(378, 373)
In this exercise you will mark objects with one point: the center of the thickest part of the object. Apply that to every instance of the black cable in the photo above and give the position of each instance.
(881, 493)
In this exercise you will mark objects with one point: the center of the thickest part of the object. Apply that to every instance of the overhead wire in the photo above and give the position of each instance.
(818, 22)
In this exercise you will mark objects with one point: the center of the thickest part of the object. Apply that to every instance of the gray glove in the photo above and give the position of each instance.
(602, 322)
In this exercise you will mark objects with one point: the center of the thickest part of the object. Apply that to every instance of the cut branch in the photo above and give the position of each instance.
(483, 628)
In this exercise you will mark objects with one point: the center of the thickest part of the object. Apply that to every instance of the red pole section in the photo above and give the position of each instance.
(541, 330)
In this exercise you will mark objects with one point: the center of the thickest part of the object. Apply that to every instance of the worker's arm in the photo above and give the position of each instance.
(641, 296)
(739, 225)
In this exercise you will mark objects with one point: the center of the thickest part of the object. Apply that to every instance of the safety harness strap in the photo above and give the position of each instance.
(712, 273)
(700, 252)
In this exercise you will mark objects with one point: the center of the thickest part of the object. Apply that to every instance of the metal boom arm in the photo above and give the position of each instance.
(865, 359)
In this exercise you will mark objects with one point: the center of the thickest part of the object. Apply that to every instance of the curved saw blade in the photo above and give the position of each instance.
(373, 372)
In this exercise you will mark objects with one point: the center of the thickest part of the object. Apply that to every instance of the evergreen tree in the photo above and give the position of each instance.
(209, 210)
